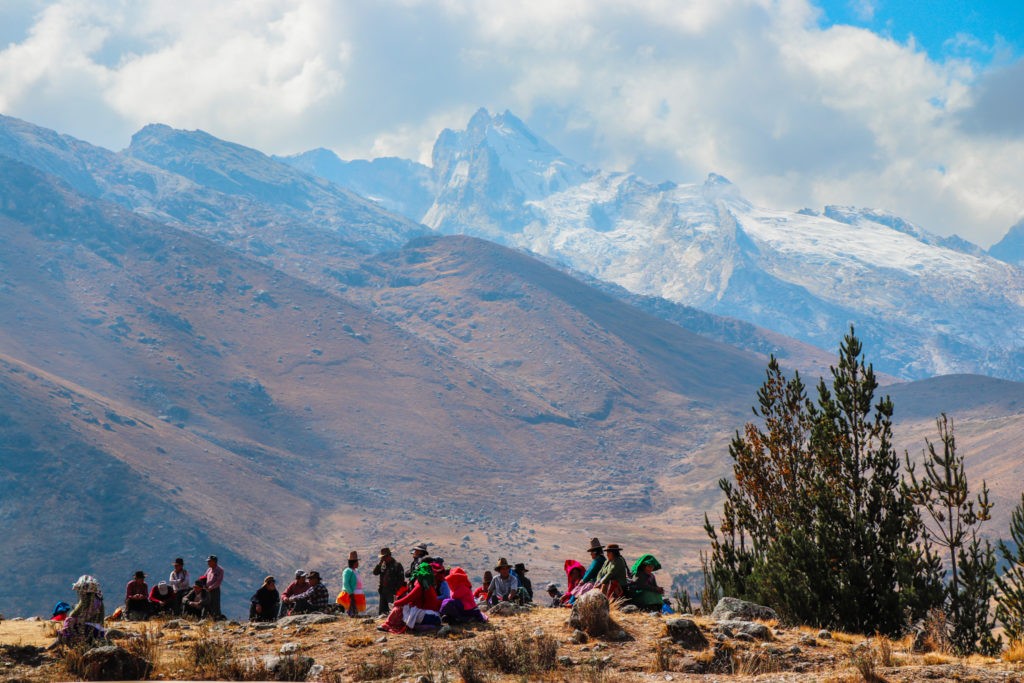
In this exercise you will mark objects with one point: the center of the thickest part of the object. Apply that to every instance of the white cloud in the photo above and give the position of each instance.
(753, 89)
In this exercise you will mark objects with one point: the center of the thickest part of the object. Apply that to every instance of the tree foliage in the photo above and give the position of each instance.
(1010, 600)
(955, 519)
(816, 522)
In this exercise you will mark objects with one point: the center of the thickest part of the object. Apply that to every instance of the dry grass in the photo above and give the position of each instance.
(933, 658)
(662, 660)
(1014, 652)
(381, 667)
(146, 645)
(359, 641)
(518, 652)
(865, 661)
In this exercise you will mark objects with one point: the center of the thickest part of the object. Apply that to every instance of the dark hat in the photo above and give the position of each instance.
(178, 560)
(353, 556)
(313, 575)
(201, 582)
(520, 568)
(140, 574)
(552, 588)
(385, 552)
(422, 547)
(613, 546)
(269, 579)
(502, 564)
(211, 557)
(595, 545)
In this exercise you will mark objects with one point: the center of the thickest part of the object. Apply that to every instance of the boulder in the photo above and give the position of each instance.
(729, 609)
(591, 613)
(288, 667)
(747, 628)
(503, 609)
(685, 632)
(305, 620)
(113, 663)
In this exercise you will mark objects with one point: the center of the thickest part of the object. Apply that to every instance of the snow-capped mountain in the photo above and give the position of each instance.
(925, 304)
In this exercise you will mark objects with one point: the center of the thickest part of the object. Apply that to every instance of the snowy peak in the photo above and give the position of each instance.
(855, 216)
(1011, 248)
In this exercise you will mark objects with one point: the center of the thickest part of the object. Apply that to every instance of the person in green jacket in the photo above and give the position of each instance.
(643, 590)
(614, 575)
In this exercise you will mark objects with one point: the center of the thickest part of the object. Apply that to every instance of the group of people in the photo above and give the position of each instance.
(421, 596)
(177, 595)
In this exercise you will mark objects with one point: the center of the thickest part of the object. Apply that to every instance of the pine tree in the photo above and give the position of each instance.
(955, 520)
(1010, 598)
(816, 522)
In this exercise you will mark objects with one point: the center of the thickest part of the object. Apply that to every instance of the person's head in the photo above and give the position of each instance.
(179, 564)
(576, 573)
(313, 577)
(200, 584)
(211, 561)
(385, 556)
(300, 576)
(648, 568)
(140, 575)
(269, 582)
(503, 568)
(353, 559)
(595, 548)
(419, 550)
(552, 590)
(613, 550)
(488, 577)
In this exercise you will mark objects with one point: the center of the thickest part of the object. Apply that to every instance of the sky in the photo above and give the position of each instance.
(916, 106)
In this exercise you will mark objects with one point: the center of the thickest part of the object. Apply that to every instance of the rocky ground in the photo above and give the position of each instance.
(534, 644)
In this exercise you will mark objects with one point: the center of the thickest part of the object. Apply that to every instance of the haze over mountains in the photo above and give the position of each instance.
(205, 349)
(928, 305)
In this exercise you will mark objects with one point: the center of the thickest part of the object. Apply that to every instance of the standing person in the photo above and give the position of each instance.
(392, 577)
(419, 551)
(614, 575)
(136, 598)
(263, 605)
(179, 581)
(296, 587)
(352, 596)
(214, 578)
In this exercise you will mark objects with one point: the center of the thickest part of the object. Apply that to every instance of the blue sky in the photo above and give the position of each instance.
(981, 30)
(913, 107)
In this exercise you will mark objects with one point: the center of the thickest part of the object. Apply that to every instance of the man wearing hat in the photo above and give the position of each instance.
(162, 599)
(596, 551)
(555, 595)
(214, 578)
(524, 583)
(614, 575)
(419, 551)
(504, 586)
(313, 599)
(136, 597)
(392, 577)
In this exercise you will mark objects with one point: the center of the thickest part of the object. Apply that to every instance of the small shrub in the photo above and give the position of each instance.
(468, 665)
(936, 629)
(359, 641)
(755, 663)
(933, 658)
(1015, 652)
(662, 657)
(382, 667)
(145, 644)
(865, 661)
(519, 653)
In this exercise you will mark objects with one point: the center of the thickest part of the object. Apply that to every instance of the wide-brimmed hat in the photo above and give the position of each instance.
(385, 552)
(595, 544)
(613, 546)
(502, 564)
(313, 575)
(422, 547)
(520, 568)
(353, 556)
(140, 574)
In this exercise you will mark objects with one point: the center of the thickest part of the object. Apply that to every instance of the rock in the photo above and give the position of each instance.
(174, 624)
(808, 641)
(591, 613)
(745, 637)
(288, 667)
(685, 632)
(599, 646)
(565, 660)
(305, 620)
(369, 620)
(824, 635)
(264, 625)
(538, 632)
(795, 650)
(34, 619)
(234, 623)
(578, 637)
(503, 609)
(750, 628)
(772, 649)
(619, 635)
(116, 634)
(444, 631)
(113, 663)
(731, 609)
(382, 639)
(289, 648)
(315, 671)
(629, 609)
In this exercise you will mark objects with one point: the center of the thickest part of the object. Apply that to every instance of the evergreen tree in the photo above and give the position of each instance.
(955, 519)
(1010, 599)
(817, 524)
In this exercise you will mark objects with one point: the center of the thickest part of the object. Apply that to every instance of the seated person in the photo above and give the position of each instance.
(136, 598)
(417, 608)
(574, 576)
(644, 591)
(313, 599)
(196, 601)
(614, 575)
(555, 595)
(480, 594)
(84, 623)
(504, 586)
(162, 599)
(264, 603)
(461, 606)
(525, 584)
(299, 585)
